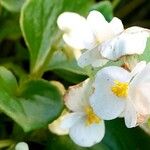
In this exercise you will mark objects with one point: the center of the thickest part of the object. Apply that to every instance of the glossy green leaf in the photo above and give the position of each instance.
(33, 105)
(117, 137)
(105, 7)
(12, 5)
(38, 24)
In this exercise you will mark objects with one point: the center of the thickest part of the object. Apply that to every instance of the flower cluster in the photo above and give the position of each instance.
(113, 91)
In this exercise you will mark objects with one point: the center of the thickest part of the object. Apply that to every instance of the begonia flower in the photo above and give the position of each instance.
(88, 33)
(122, 93)
(85, 127)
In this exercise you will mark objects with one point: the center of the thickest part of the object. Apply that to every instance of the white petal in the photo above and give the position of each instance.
(136, 29)
(116, 25)
(99, 26)
(121, 115)
(108, 49)
(70, 119)
(138, 68)
(141, 97)
(77, 97)
(128, 43)
(85, 135)
(22, 146)
(104, 102)
(139, 91)
(55, 126)
(130, 115)
(91, 57)
(69, 21)
(77, 32)
(73, 40)
(79, 40)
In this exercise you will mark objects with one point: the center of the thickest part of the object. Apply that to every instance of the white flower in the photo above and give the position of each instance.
(131, 41)
(87, 33)
(22, 146)
(119, 92)
(85, 128)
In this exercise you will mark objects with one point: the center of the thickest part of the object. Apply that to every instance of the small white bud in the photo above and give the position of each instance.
(22, 146)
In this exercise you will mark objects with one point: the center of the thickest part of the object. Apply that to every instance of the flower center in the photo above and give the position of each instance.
(120, 89)
(91, 117)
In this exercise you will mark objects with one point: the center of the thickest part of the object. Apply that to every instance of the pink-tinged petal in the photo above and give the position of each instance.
(87, 135)
(104, 102)
(139, 92)
(77, 97)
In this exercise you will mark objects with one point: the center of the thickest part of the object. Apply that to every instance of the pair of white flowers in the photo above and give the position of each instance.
(113, 92)
(100, 40)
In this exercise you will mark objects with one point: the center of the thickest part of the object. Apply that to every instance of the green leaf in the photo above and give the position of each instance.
(12, 5)
(33, 105)
(39, 28)
(105, 7)
(9, 25)
(61, 62)
(146, 55)
(117, 137)
(73, 78)
(66, 68)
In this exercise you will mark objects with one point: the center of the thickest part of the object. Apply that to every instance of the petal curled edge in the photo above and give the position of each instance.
(55, 126)
(104, 102)
(131, 41)
(77, 97)
(87, 135)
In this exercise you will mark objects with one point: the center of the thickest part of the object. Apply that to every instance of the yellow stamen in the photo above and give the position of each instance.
(120, 89)
(91, 117)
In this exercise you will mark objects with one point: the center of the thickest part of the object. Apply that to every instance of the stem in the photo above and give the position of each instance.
(39, 72)
(115, 3)
(6, 143)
